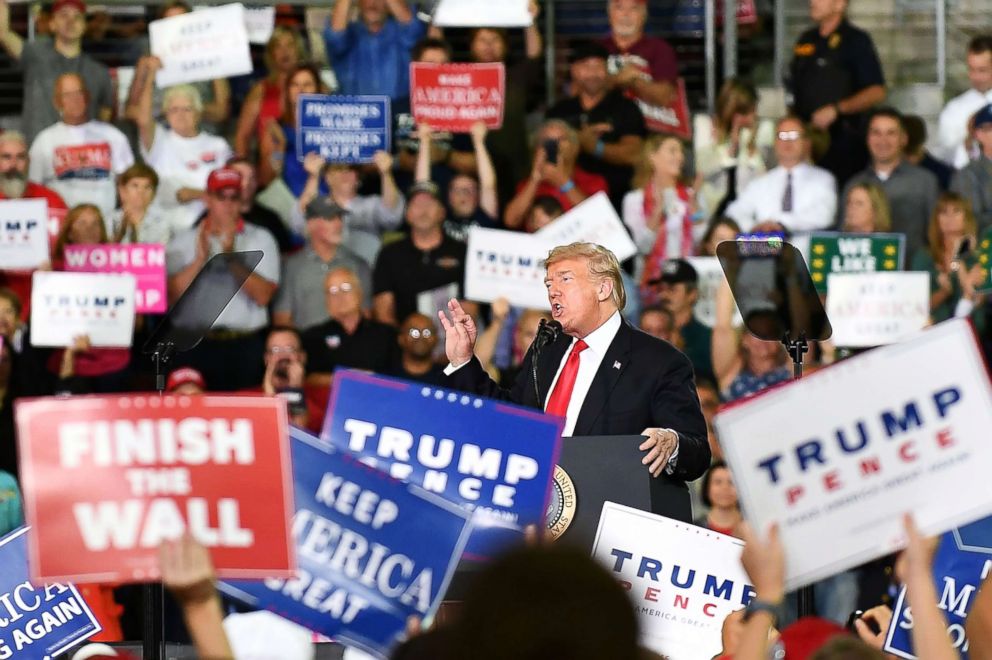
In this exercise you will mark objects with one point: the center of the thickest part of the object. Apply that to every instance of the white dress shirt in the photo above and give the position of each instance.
(814, 199)
(598, 341)
(952, 127)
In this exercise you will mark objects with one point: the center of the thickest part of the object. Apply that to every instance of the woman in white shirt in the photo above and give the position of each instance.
(661, 212)
(133, 222)
(729, 148)
(182, 155)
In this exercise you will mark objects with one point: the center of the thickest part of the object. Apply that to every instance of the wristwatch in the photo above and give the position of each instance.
(775, 609)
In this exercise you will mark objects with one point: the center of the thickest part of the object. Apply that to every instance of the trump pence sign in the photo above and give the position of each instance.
(108, 478)
(837, 458)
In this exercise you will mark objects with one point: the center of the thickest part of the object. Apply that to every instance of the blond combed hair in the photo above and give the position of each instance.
(602, 264)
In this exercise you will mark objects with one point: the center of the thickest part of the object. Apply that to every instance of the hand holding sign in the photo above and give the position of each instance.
(187, 571)
(764, 560)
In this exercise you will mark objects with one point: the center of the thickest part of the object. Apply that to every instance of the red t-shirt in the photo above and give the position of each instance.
(590, 184)
(19, 281)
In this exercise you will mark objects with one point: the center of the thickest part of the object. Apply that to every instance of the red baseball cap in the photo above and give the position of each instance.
(61, 4)
(184, 376)
(224, 178)
(805, 636)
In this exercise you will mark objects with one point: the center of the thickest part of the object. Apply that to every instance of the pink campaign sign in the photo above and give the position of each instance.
(145, 261)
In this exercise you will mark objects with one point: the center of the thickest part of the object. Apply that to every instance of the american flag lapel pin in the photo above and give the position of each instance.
(616, 365)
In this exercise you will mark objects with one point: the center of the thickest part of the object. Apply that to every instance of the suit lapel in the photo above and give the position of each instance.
(610, 369)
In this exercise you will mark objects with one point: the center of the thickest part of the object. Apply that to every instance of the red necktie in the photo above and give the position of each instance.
(558, 402)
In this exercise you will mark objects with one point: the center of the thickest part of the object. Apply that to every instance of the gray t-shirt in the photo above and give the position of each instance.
(242, 313)
(42, 65)
(302, 291)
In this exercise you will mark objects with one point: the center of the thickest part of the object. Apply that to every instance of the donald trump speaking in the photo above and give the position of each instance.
(599, 373)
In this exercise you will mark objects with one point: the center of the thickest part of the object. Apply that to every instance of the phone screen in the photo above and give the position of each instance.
(551, 151)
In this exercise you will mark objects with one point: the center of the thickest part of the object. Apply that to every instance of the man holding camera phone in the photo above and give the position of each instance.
(285, 362)
(554, 174)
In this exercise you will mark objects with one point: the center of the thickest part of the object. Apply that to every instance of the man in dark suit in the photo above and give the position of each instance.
(603, 376)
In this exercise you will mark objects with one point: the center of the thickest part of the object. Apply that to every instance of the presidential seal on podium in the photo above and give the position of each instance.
(561, 504)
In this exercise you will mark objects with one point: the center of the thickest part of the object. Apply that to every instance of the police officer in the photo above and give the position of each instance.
(836, 78)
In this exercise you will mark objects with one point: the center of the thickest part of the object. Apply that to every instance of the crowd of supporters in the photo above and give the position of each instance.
(357, 259)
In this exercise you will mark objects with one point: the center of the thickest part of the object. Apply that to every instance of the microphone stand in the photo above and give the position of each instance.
(547, 332)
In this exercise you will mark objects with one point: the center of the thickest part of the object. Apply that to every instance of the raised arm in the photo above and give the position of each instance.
(12, 42)
(247, 120)
(425, 137)
(485, 347)
(218, 110)
(488, 197)
(339, 18)
(533, 43)
(725, 350)
(929, 631)
(314, 165)
(188, 574)
(139, 105)
(384, 165)
(400, 10)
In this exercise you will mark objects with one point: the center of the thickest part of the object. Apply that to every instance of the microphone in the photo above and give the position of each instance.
(547, 333)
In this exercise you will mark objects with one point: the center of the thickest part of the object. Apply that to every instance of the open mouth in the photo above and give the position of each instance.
(556, 310)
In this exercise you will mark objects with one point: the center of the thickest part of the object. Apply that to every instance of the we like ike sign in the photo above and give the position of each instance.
(108, 478)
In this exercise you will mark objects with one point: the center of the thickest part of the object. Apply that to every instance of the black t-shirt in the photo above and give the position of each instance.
(433, 376)
(825, 70)
(457, 228)
(406, 272)
(626, 119)
(372, 347)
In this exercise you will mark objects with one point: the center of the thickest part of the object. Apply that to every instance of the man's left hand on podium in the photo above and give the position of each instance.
(660, 445)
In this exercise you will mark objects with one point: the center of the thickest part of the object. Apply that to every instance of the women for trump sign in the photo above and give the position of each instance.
(108, 478)
(836, 458)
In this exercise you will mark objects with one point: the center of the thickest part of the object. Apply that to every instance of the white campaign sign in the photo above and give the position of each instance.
(838, 457)
(711, 278)
(201, 45)
(65, 305)
(592, 221)
(23, 233)
(874, 309)
(682, 579)
(506, 264)
(260, 22)
(482, 13)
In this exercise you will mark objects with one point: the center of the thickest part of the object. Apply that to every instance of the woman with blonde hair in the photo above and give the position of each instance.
(661, 212)
(954, 275)
(866, 209)
(728, 155)
(83, 225)
(283, 53)
(277, 154)
(80, 368)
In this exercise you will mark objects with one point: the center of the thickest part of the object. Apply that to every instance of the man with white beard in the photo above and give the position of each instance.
(14, 184)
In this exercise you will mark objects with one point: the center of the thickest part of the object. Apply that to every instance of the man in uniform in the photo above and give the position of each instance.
(836, 78)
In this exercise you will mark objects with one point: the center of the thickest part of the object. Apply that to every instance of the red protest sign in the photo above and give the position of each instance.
(108, 478)
(672, 119)
(452, 97)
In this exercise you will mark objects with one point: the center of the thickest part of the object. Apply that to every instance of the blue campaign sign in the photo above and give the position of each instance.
(492, 457)
(958, 569)
(37, 622)
(343, 129)
(372, 551)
